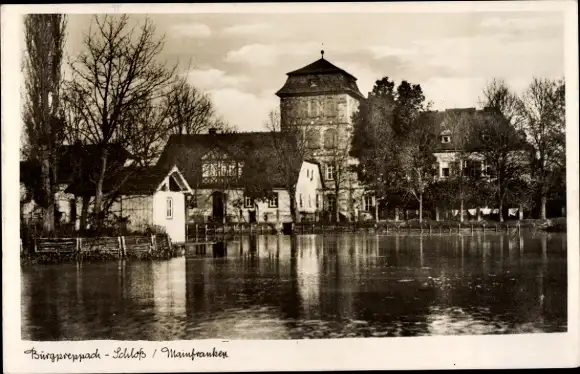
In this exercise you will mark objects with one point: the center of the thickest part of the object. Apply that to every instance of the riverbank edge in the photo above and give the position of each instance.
(30, 259)
(549, 225)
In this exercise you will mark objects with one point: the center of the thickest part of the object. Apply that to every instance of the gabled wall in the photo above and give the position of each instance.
(309, 189)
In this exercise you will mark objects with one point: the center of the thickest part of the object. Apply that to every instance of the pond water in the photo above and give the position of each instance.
(309, 286)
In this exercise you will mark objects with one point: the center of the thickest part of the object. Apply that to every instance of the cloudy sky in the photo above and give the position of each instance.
(242, 59)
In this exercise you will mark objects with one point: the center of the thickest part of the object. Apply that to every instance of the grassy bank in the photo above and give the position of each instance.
(58, 258)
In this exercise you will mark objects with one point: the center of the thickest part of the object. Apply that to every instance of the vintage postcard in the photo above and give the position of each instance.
(288, 187)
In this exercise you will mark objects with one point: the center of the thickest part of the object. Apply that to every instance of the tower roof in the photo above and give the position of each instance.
(320, 66)
(319, 77)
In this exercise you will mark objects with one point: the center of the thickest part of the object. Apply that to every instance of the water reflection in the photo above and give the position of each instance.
(308, 286)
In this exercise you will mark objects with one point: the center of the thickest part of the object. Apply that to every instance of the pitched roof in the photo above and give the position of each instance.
(133, 180)
(256, 150)
(321, 66)
(319, 77)
(458, 124)
(76, 161)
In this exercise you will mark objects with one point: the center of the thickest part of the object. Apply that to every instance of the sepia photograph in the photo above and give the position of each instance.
(289, 174)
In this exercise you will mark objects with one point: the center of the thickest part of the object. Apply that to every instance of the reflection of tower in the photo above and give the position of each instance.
(169, 295)
(308, 274)
(319, 100)
(196, 279)
(169, 287)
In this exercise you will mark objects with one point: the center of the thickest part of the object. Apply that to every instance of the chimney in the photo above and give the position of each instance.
(212, 131)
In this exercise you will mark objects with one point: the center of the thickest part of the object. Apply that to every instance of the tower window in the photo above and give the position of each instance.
(330, 172)
(330, 139)
(368, 202)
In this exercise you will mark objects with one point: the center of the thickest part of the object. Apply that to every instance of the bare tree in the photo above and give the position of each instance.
(337, 168)
(188, 110)
(116, 75)
(466, 167)
(504, 152)
(43, 119)
(501, 142)
(543, 122)
(290, 144)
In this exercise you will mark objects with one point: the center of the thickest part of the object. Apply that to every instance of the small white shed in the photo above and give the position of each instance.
(154, 196)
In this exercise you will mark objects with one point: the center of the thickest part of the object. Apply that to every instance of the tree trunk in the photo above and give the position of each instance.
(84, 213)
(437, 214)
(501, 211)
(461, 209)
(543, 207)
(225, 209)
(336, 210)
(396, 214)
(521, 212)
(420, 208)
(99, 191)
(478, 214)
(376, 210)
(294, 205)
(48, 216)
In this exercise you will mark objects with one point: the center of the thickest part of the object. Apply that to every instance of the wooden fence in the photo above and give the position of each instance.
(201, 232)
(123, 246)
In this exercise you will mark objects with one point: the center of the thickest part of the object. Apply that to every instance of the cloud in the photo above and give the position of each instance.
(268, 54)
(520, 23)
(366, 76)
(448, 92)
(247, 29)
(245, 111)
(382, 51)
(191, 30)
(488, 55)
(211, 79)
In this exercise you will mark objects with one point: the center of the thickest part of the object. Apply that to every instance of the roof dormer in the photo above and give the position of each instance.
(445, 137)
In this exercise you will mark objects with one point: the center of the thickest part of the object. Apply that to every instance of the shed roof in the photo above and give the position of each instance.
(132, 180)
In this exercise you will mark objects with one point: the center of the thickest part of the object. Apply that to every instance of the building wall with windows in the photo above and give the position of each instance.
(243, 209)
(326, 122)
(237, 208)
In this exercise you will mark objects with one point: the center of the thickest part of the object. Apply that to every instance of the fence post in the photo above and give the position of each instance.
(78, 248)
(152, 243)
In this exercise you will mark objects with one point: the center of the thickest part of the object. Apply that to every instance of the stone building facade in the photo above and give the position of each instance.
(319, 100)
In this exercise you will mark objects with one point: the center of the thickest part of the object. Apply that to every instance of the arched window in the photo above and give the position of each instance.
(313, 138)
(330, 139)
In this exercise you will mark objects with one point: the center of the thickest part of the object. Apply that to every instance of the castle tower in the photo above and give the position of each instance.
(320, 99)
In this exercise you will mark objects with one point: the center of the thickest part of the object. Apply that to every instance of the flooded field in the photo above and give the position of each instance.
(309, 286)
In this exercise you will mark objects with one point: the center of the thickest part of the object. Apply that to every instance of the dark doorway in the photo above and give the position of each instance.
(218, 205)
(252, 214)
